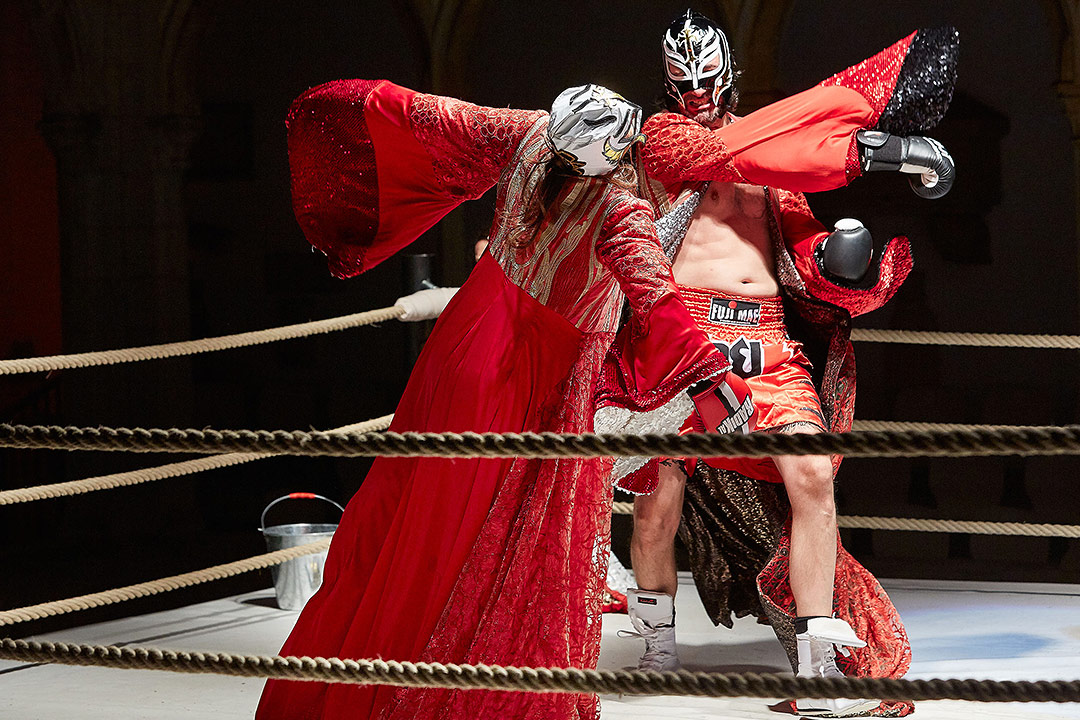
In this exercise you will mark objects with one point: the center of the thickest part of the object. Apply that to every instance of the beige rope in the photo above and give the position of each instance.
(155, 587)
(903, 426)
(161, 472)
(496, 677)
(974, 527)
(921, 337)
(188, 467)
(224, 342)
(288, 332)
(192, 347)
(909, 443)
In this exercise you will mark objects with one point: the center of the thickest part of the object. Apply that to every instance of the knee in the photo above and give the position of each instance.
(811, 485)
(656, 528)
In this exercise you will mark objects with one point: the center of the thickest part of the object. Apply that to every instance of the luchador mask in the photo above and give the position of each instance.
(696, 57)
(591, 128)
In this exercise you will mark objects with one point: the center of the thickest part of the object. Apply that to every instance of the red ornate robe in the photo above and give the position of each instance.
(733, 526)
(478, 560)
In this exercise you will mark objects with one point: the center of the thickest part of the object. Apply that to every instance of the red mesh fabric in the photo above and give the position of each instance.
(533, 588)
(469, 145)
(630, 249)
(875, 78)
(660, 352)
(861, 601)
(679, 150)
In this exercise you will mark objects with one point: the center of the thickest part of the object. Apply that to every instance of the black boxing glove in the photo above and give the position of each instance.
(924, 157)
(844, 256)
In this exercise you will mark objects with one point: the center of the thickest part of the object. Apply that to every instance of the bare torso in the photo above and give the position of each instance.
(727, 246)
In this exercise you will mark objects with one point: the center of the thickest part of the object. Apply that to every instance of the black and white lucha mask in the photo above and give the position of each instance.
(591, 128)
(697, 57)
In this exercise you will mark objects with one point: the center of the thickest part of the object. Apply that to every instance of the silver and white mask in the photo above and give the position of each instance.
(591, 128)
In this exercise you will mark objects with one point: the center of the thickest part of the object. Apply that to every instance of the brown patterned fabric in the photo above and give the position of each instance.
(730, 526)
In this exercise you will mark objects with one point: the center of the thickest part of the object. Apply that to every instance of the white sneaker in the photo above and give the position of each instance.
(817, 658)
(653, 616)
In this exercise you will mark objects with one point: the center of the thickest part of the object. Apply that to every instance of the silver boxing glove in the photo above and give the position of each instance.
(925, 158)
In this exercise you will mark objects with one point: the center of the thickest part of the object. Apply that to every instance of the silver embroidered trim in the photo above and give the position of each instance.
(666, 419)
(671, 229)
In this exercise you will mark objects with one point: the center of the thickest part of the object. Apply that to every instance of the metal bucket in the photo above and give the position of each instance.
(296, 580)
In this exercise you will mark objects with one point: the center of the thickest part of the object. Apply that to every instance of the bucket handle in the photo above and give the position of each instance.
(295, 496)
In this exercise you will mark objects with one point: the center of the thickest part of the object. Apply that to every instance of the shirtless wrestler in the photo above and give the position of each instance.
(727, 273)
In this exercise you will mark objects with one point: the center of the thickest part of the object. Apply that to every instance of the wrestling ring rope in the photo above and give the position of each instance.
(871, 439)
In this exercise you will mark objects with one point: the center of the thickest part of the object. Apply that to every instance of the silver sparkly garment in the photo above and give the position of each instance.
(671, 229)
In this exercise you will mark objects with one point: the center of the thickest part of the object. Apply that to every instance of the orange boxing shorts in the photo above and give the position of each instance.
(751, 333)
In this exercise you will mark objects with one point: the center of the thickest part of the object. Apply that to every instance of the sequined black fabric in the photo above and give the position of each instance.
(925, 85)
(730, 526)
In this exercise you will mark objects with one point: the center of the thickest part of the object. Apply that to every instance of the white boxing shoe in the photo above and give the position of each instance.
(653, 616)
(817, 658)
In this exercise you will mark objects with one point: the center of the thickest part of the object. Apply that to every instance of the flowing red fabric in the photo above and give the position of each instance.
(497, 561)
(374, 164)
(859, 599)
(408, 531)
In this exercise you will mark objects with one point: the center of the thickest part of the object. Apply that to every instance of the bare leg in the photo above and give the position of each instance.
(656, 521)
(808, 480)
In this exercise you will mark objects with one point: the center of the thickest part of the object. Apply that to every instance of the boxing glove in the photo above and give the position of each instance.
(923, 157)
(844, 256)
(723, 406)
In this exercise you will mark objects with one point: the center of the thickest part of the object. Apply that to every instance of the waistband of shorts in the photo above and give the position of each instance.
(700, 302)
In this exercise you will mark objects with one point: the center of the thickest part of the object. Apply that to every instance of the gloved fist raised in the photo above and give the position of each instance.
(846, 253)
(924, 157)
(723, 406)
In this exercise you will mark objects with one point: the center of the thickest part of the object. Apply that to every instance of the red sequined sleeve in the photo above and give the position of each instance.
(803, 234)
(628, 247)
(805, 143)
(374, 164)
(469, 145)
(661, 351)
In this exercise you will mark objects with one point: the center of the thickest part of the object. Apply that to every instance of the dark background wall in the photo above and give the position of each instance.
(194, 237)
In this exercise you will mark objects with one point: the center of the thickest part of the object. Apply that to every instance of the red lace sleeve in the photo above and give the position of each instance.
(803, 234)
(469, 145)
(679, 150)
(661, 352)
(374, 164)
(628, 247)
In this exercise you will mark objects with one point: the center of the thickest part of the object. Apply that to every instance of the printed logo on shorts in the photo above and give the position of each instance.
(740, 313)
(747, 356)
(646, 601)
